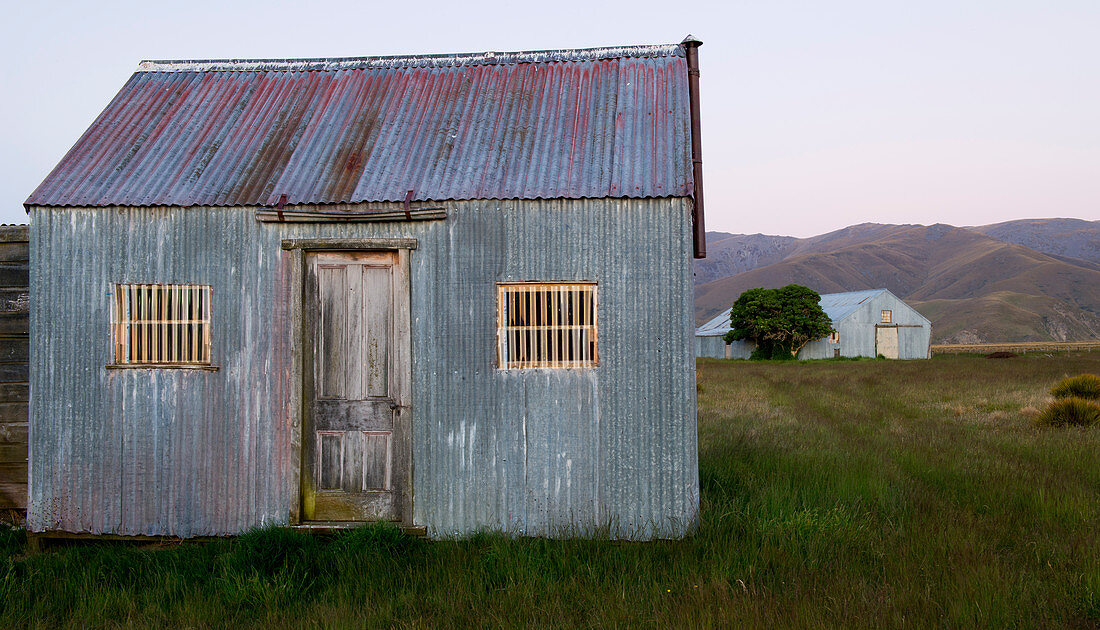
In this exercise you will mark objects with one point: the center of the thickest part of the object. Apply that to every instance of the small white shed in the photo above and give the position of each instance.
(867, 324)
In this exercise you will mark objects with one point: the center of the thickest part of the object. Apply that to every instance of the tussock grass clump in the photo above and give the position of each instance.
(1073, 412)
(1081, 386)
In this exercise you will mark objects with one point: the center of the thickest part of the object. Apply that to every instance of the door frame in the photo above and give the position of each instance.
(295, 253)
(897, 332)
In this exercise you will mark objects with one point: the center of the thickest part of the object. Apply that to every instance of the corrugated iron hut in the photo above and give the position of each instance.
(867, 324)
(452, 292)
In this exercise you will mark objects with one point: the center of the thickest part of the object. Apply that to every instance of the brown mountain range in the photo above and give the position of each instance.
(974, 287)
(1067, 238)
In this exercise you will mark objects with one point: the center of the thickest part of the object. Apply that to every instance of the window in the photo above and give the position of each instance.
(887, 317)
(162, 324)
(834, 337)
(546, 325)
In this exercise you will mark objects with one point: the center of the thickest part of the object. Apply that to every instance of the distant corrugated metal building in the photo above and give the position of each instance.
(866, 324)
(449, 291)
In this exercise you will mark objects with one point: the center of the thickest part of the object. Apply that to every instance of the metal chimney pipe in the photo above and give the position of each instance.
(699, 233)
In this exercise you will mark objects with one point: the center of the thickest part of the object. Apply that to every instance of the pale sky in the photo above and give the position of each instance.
(816, 115)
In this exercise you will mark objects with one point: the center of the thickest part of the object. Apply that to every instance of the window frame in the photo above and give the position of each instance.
(834, 337)
(162, 342)
(887, 316)
(505, 361)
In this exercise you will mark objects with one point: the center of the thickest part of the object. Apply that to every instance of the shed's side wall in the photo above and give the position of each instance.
(716, 348)
(712, 347)
(823, 349)
(188, 452)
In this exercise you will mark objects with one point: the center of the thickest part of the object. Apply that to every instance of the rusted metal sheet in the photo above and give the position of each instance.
(536, 452)
(606, 122)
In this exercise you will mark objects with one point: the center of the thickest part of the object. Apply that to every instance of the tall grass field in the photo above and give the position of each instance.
(834, 494)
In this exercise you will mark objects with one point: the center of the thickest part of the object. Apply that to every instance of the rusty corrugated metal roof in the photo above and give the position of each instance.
(606, 122)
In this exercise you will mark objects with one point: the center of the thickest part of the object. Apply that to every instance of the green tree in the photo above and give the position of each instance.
(778, 321)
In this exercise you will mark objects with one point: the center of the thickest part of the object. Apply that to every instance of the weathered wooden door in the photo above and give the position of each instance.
(886, 341)
(356, 439)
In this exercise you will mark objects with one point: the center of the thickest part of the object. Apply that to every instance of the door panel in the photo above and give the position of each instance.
(332, 341)
(355, 442)
(351, 415)
(355, 461)
(886, 341)
(376, 339)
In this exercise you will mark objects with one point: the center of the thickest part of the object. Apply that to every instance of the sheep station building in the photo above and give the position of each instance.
(453, 292)
(866, 324)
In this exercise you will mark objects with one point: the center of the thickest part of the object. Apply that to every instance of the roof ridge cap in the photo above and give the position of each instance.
(410, 61)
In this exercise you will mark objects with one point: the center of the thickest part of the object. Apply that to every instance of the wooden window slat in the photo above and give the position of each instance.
(546, 325)
(193, 327)
(162, 324)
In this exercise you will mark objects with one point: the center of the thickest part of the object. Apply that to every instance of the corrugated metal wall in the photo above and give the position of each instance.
(540, 452)
(712, 347)
(716, 348)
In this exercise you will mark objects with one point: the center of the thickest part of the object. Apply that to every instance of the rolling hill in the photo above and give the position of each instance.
(1066, 238)
(973, 286)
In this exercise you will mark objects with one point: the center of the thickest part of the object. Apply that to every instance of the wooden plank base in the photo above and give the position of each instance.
(335, 527)
(42, 541)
